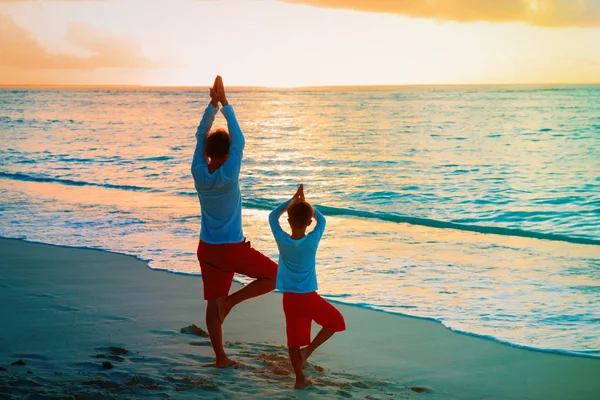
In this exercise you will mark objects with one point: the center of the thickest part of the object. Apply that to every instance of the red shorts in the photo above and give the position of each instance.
(301, 309)
(218, 263)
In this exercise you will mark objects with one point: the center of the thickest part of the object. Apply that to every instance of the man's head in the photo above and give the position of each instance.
(217, 144)
(300, 214)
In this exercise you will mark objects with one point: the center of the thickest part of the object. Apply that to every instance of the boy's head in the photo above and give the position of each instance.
(300, 214)
(217, 144)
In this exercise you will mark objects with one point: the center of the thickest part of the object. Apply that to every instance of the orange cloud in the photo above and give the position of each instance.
(584, 13)
(18, 49)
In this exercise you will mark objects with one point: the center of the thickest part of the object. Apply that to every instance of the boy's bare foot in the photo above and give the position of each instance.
(225, 363)
(223, 308)
(302, 384)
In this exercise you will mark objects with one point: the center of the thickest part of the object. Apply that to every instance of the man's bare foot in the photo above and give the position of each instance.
(302, 384)
(225, 363)
(304, 354)
(223, 308)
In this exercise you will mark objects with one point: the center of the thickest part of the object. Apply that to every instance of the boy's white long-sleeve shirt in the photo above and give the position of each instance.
(296, 270)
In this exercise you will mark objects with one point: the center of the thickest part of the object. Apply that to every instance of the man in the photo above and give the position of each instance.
(223, 250)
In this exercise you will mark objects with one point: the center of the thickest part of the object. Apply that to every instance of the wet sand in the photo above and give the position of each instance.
(93, 324)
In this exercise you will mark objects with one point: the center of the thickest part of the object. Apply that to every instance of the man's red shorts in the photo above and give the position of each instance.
(301, 309)
(218, 263)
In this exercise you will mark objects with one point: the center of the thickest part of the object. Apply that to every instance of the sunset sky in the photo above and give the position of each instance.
(288, 43)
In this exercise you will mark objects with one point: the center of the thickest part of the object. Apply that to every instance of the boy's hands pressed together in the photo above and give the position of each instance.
(299, 196)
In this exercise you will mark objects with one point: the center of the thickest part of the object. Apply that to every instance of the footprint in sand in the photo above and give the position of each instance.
(43, 295)
(237, 365)
(119, 351)
(66, 308)
(117, 318)
(188, 382)
(107, 365)
(30, 356)
(420, 389)
(114, 353)
(163, 332)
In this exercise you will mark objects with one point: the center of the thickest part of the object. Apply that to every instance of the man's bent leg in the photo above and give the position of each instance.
(253, 264)
(255, 288)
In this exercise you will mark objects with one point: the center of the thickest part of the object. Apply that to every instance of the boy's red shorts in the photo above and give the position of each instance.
(218, 263)
(301, 309)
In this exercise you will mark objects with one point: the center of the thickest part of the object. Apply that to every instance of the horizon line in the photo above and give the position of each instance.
(274, 88)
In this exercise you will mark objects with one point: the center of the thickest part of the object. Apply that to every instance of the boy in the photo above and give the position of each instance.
(297, 279)
(223, 250)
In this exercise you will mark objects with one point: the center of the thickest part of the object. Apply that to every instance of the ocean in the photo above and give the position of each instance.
(476, 206)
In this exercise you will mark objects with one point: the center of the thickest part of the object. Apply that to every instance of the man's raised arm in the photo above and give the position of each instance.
(199, 160)
(235, 132)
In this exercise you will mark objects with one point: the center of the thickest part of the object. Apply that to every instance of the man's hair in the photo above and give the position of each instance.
(299, 213)
(217, 143)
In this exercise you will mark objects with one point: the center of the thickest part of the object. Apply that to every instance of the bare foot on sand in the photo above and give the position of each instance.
(223, 308)
(225, 363)
(302, 384)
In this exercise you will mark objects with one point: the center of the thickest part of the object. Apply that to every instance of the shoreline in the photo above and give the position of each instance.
(333, 299)
(381, 216)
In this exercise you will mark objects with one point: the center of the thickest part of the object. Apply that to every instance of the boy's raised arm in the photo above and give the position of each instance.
(276, 213)
(320, 227)
(274, 217)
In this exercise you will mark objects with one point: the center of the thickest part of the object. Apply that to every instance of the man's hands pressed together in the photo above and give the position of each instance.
(217, 93)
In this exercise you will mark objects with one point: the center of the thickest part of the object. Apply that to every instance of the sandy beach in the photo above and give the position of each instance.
(90, 324)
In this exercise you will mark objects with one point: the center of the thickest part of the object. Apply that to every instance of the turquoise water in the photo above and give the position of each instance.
(475, 206)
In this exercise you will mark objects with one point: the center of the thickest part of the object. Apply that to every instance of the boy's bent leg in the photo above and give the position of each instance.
(326, 315)
(323, 335)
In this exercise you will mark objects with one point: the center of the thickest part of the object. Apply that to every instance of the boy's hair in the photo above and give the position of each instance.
(217, 143)
(299, 213)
